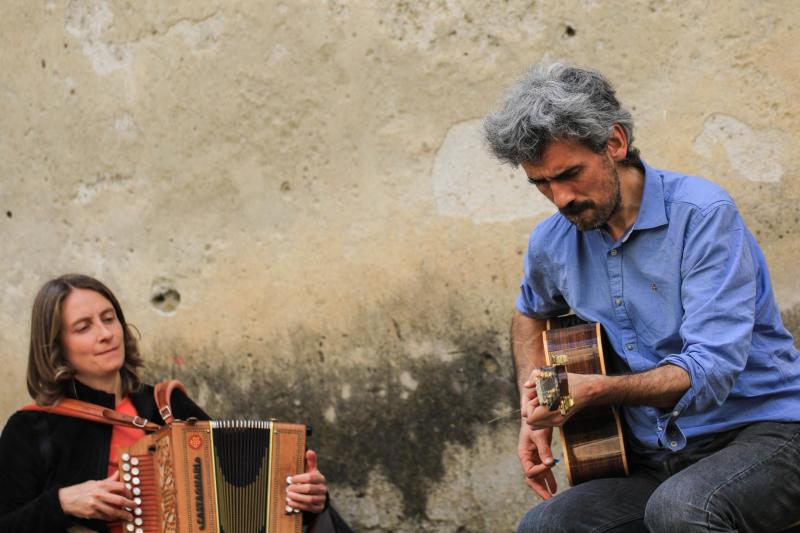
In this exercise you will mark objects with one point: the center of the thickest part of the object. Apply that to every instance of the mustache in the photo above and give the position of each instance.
(576, 208)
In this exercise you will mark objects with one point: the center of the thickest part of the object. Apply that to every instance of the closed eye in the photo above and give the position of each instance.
(568, 174)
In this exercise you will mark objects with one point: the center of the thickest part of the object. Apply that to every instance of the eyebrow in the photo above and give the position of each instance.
(560, 175)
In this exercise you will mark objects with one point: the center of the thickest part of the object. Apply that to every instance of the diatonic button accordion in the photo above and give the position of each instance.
(219, 476)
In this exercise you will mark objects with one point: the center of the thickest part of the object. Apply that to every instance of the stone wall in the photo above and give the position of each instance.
(293, 202)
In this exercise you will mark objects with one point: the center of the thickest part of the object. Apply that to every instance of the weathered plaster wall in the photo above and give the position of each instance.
(294, 205)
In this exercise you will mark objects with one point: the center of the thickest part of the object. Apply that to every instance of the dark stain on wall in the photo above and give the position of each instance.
(382, 423)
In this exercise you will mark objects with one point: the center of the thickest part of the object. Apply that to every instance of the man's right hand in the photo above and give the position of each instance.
(537, 459)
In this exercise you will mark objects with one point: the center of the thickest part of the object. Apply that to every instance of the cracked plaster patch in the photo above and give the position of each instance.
(200, 36)
(753, 155)
(277, 54)
(111, 182)
(468, 182)
(408, 381)
(87, 20)
(126, 127)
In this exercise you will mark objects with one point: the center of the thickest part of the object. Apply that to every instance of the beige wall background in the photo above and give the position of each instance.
(293, 202)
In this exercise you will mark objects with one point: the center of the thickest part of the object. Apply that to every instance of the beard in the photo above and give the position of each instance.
(590, 215)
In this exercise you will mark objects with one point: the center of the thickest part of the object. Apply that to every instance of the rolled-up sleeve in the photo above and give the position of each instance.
(718, 294)
(538, 297)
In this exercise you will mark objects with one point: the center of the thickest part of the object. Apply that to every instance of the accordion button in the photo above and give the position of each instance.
(288, 480)
(126, 476)
(296, 511)
(138, 511)
(126, 457)
(134, 461)
(129, 527)
(289, 509)
(137, 501)
(128, 486)
(126, 467)
(138, 521)
(135, 481)
(135, 471)
(136, 491)
(139, 530)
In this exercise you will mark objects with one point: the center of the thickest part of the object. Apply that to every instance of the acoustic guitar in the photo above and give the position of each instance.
(592, 439)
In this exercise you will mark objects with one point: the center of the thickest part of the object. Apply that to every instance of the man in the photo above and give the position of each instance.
(710, 388)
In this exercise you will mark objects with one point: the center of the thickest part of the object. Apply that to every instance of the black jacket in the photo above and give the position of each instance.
(42, 452)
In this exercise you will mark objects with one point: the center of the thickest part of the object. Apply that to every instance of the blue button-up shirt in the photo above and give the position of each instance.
(686, 285)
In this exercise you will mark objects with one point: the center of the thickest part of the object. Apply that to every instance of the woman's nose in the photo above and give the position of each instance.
(104, 331)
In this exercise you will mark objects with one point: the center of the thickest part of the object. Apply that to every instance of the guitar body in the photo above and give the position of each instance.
(592, 439)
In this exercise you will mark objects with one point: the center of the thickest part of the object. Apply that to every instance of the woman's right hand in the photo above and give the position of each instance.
(104, 499)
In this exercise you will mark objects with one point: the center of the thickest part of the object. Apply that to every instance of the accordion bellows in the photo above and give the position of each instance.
(219, 476)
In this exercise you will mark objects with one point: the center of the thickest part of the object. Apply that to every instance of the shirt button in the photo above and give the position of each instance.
(629, 347)
(613, 252)
(673, 444)
(618, 301)
(675, 413)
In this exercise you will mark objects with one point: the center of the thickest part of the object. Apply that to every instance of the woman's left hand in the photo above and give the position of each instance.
(307, 492)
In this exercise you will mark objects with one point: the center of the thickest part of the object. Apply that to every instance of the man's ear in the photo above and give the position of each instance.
(617, 145)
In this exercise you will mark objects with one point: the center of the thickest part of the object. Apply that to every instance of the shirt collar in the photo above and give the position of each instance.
(652, 211)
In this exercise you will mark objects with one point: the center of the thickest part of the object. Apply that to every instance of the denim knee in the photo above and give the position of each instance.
(674, 507)
(544, 518)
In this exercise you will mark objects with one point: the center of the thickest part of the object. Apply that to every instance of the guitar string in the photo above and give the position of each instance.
(506, 415)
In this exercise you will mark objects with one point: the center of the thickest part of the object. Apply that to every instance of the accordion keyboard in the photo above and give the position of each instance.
(219, 476)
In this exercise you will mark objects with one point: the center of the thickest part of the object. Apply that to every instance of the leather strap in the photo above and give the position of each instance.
(163, 393)
(95, 413)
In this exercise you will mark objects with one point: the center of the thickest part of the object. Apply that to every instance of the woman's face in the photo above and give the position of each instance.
(91, 337)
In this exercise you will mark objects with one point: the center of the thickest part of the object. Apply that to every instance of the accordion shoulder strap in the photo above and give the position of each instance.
(93, 412)
(162, 393)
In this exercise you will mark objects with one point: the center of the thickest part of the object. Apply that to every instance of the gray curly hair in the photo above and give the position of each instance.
(557, 102)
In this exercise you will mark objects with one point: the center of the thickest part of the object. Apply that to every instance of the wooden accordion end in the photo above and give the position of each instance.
(219, 476)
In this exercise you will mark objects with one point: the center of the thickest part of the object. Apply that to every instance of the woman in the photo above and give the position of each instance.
(58, 472)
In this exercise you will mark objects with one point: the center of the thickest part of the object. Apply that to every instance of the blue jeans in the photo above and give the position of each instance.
(744, 480)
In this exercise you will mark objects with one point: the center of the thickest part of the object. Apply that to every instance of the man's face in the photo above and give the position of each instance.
(582, 184)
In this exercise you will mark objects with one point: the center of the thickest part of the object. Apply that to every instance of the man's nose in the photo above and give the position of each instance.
(562, 194)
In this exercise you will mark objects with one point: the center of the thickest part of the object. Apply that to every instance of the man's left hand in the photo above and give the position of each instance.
(539, 416)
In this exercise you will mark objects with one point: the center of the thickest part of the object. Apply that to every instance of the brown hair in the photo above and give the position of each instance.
(49, 374)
